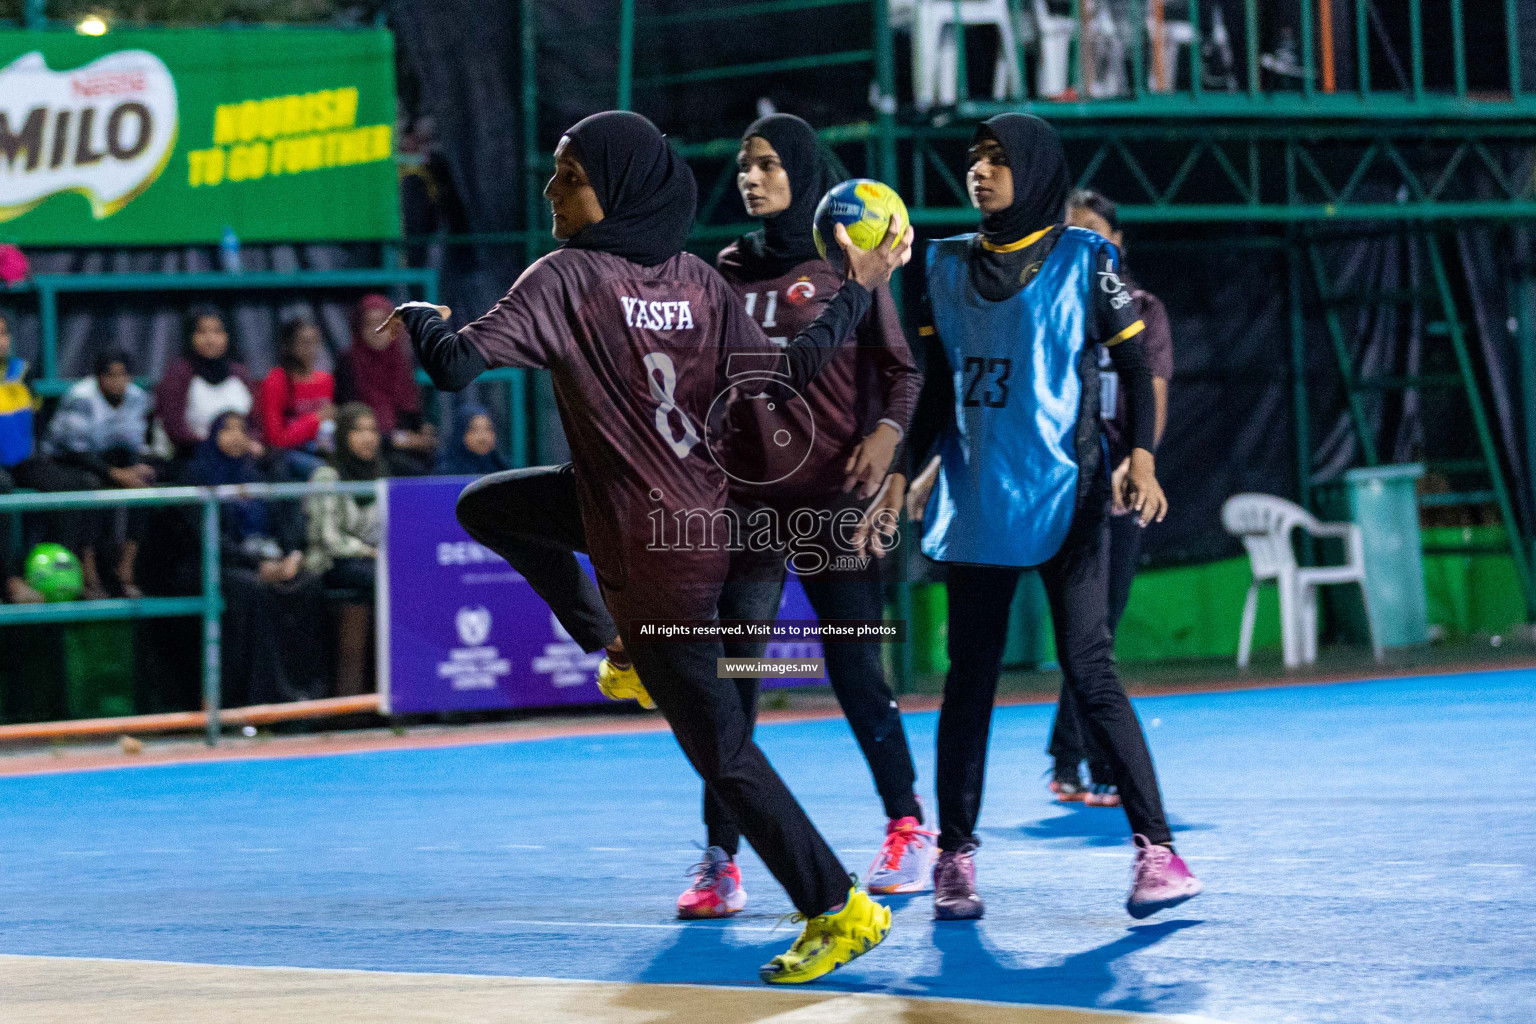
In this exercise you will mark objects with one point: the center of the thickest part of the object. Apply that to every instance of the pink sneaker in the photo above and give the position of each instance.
(1067, 791)
(1102, 794)
(1159, 879)
(716, 890)
(954, 887)
(906, 859)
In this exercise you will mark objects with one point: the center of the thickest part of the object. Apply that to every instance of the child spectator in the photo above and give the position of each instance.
(344, 537)
(15, 447)
(297, 401)
(271, 645)
(100, 428)
(204, 381)
(378, 372)
(471, 449)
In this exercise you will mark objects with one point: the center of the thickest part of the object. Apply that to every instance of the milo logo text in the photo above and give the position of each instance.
(104, 130)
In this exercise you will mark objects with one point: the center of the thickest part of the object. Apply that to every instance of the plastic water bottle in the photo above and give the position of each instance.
(229, 251)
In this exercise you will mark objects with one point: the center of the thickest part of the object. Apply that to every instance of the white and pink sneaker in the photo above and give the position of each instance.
(1159, 879)
(906, 858)
(716, 890)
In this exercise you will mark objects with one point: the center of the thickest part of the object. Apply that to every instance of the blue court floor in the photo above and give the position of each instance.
(1368, 851)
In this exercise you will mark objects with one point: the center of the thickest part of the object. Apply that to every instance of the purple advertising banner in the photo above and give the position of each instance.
(460, 630)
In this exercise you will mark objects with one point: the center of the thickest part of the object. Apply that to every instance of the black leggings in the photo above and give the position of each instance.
(753, 591)
(531, 518)
(1070, 742)
(1076, 585)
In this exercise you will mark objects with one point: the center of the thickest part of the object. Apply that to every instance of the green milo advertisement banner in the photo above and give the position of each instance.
(169, 137)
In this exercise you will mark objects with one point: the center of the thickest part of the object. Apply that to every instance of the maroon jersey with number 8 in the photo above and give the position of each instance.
(638, 356)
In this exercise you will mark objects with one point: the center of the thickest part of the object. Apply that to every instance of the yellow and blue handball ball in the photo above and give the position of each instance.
(53, 571)
(865, 208)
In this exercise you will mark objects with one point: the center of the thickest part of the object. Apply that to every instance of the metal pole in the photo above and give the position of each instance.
(48, 320)
(530, 97)
(1251, 43)
(1139, 47)
(1524, 295)
(1325, 42)
(1512, 37)
(517, 421)
(1075, 74)
(1308, 58)
(1085, 46)
(1480, 423)
(1363, 430)
(626, 52)
(1416, 39)
(1196, 58)
(36, 16)
(962, 76)
(1299, 407)
(1459, 49)
(1363, 45)
(212, 606)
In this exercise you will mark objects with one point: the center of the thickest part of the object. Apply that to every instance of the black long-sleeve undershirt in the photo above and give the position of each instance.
(450, 360)
(1135, 370)
(453, 363)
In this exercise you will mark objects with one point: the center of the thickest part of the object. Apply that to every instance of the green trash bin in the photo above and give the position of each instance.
(1383, 503)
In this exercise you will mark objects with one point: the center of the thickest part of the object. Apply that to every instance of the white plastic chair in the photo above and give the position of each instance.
(1055, 33)
(1265, 523)
(933, 27)
(1106, 75)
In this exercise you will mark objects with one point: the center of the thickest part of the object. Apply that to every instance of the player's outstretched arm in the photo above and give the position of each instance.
(449, 359)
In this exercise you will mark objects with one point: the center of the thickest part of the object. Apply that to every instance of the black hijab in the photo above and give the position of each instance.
(646, 191)
(1040, 181)
(214, 371)
(785, 239)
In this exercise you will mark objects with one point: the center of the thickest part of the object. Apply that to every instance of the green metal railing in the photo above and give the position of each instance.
(1361, 98)
(47, 288)
(208, 606)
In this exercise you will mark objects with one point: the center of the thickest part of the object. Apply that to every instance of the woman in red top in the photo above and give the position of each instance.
(297, 401)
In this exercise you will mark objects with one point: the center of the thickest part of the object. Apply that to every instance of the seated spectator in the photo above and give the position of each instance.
(271, 642)
(297, 401)
(471, 449)
(344, 537)
(15, 448)
(202, 382)
(377, 371)
(99, 432)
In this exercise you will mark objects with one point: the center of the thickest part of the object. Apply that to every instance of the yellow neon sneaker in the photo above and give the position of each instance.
(829, 941)
(622, 684)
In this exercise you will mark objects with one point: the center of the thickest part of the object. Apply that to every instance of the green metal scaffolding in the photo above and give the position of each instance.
(1295, 161)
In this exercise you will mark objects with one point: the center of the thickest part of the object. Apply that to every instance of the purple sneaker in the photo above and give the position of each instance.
(1159, 879)
(954, 886)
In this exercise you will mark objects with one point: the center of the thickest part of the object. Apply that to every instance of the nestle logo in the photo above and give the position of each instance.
(111, 84)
